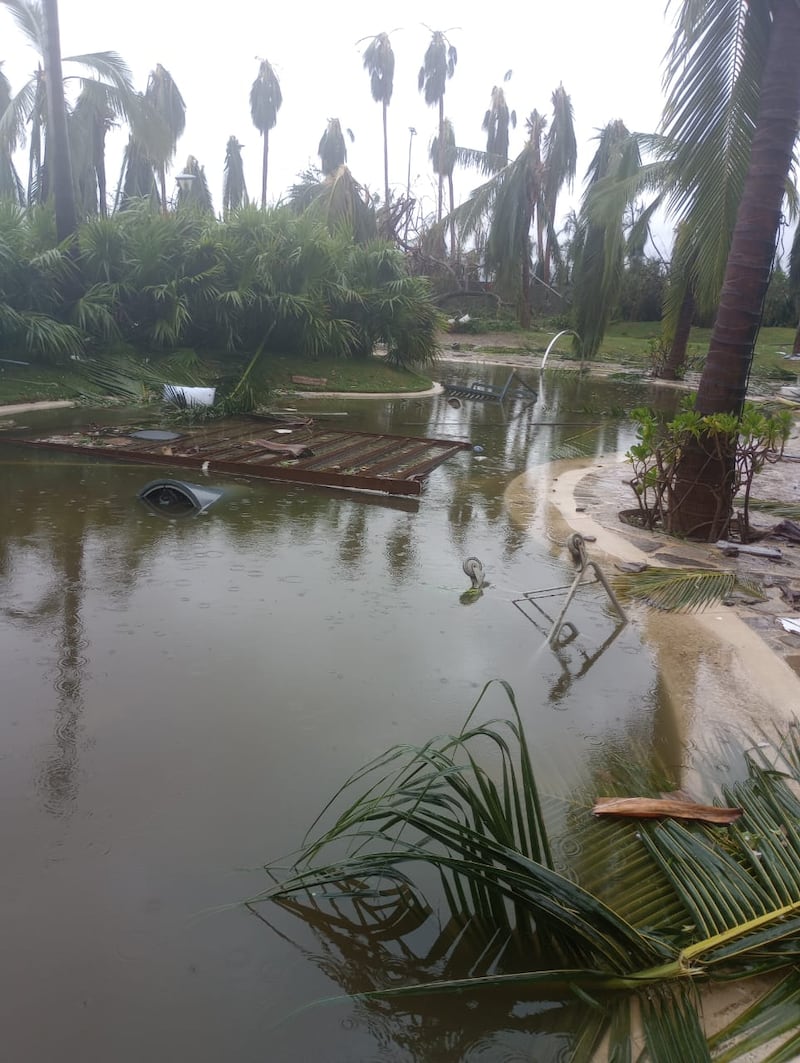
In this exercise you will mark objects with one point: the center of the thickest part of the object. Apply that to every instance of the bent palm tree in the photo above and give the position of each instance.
(379, 63)
(437, 68)
(265, 102)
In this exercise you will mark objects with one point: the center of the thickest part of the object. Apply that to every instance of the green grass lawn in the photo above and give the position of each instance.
(31, 383)
(626, 343)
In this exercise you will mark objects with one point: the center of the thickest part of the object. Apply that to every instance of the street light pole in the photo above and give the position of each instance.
(412, 133)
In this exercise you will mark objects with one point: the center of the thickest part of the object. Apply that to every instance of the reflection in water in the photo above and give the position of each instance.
(383, 938)
(59, 776)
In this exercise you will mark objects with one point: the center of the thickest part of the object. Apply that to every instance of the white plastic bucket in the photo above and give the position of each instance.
(183, 396)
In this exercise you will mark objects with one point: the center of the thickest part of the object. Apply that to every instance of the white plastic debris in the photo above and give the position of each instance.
(790, 623)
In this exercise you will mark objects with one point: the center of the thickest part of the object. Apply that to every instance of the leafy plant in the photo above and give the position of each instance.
(754, 438)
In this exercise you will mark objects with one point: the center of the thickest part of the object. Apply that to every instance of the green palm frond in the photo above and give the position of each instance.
(683, 589)
(645, 916)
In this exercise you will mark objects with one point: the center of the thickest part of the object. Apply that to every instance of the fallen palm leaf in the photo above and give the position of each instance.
(655, 808)
(674, 589)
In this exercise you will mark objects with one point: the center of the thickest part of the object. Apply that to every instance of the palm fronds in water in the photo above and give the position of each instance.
(645, 915)
(684, 589)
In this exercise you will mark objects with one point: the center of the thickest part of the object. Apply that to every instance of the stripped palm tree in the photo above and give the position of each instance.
(265, 102)
(332, 149)
(496, 123)
(437, 68)
(379, 64)
(234, 188)
(621, 938)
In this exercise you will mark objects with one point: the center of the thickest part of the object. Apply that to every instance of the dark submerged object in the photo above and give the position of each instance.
(175, 498)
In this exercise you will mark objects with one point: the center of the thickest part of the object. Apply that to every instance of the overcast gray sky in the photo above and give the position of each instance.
(608, 56)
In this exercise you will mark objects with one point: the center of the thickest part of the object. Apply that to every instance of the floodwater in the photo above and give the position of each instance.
(179, 698)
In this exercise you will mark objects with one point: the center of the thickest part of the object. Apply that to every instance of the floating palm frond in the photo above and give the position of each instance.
(641, 918)
(683, 589)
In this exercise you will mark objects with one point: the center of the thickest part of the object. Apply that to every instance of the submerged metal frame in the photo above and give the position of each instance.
(577, 548)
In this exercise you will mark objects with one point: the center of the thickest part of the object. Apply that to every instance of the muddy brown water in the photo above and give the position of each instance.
(179, 698)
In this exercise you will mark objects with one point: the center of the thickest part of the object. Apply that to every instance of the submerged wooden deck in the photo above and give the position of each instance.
(360, 461)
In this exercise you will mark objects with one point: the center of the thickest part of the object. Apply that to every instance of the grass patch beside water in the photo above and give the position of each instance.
(31, 383)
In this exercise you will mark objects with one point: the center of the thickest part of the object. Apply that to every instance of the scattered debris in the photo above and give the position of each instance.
(478, 390)
(770, 552)
(790, 624)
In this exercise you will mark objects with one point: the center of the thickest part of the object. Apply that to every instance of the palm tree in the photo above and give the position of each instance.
(163, 96)
(700, 47)
(10, 184)
(524, 191)
(379, 63)
(61, 177)
(496, 122)
(265, 102)
(444, 156)
(234, 189)
(26, 117)
(332, 149)
(438, 67)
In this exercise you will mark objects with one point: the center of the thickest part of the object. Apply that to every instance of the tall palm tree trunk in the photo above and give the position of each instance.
(264, 170)
(796, 344)
(385, 159)
(440, 165)
(697, 511)
(61, 177)
(452, 219)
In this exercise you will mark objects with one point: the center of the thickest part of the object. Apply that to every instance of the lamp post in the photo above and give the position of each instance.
(185, 182)
(411, 134)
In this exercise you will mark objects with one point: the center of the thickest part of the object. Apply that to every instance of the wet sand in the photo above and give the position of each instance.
(718, 670)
